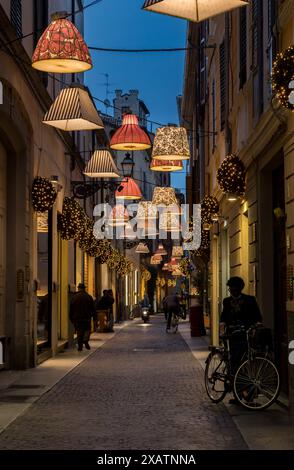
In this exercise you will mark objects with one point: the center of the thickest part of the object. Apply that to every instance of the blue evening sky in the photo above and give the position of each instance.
(157, 76)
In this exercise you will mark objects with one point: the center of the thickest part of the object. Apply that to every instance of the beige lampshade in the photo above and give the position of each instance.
(73, 110)
(177, 252)
(155, 260)
(171, 143)
(146, 210)
(166, 165)
(169, 222)
(101, 165)
(142, 249)
(192, 10)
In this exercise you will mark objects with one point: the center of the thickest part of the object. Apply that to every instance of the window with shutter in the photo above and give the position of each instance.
(243, 47)
(257, 57)
(16, 16)
(222, 67)
(213, 98)
(272, 35)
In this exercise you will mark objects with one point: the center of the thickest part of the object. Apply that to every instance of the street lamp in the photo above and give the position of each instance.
(128, 166)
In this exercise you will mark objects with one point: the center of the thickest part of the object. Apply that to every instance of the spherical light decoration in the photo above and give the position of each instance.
(283, 75)
(209, 207)
(86, 234)
(231, 176)
(43, 194)
(72, 220)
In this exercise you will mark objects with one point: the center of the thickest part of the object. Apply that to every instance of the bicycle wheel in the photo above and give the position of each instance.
(174, 324)
(216, 376)
(257, 383)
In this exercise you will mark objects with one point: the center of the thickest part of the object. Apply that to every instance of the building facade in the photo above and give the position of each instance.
(229, 104)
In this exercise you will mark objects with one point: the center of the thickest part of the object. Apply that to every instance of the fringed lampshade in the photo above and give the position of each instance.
(128, 190)
(177, 252)
(73, 110)
(102, 165)
(171, 143)
(142, 249)
(166, 165)
(61, 48)
(130, 136)
(119, 216)
(161, 250)
(192, 10)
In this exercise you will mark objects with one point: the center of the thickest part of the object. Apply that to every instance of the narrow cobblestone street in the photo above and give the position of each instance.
(143, 389)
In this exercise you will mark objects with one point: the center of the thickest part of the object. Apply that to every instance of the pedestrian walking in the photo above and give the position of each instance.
(82, 310)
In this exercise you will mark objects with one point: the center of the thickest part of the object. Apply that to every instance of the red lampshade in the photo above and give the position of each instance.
(130, 190)
(130, 136)
(61, 48)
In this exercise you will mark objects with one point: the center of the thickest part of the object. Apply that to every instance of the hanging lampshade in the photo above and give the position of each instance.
(73, 110)
(142, 249)
(166, 165)
(130, 136)
(177, 252)
(61, 48)
(119, 216)
(146, 211)
(128, 190)
(165, 267)
(169, 222)
(164, 197)
(101, 165)
(192, 10)
(155, 260)
(171, 143)
(177, 272)
(161, 250)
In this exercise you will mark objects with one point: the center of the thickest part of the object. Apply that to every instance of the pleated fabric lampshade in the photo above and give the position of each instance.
(129, 190)
(161, 250)
(61, 48)
(171, 143)
(130, 136)
(102, 165)
(73, 110)
(192, 10)
(166, 165)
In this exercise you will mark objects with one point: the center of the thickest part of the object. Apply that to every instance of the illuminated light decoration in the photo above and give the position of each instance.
(42, 222)
(209, 207)
(114, 259)
(186, 267)
(87, 239)
(193, 10)
(171, 143)
(165, 267)
(231, 176)
(130, 136)
(155, 260)
(166, 165)
(161, 251)
(283, 76)
(171, 283)
(43, 194)
(72, 220)
(169, 222)
(145, 274)
(142, 248)
(128, 190)
(177, 252)
(73, 110)
(206, 226)
(101, 165)
(119, 216)
(61, 48)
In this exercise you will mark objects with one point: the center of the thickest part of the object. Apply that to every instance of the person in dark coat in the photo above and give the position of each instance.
(82, 310)
(238, 310)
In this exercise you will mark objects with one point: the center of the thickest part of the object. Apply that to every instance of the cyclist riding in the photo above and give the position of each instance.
(172, 305)
(240, 312)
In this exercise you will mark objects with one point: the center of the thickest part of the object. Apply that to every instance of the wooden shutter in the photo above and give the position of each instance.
(243, 47)
(16, 16)
(222, 70)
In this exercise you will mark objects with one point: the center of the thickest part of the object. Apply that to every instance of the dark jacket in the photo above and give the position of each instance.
(104, 303)
(82, 308)
(244, 311)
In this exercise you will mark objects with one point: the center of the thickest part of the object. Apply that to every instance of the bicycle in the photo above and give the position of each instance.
(255, 384)
(174, 324)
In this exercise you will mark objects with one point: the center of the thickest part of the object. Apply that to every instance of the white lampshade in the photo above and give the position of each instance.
(73, 110)
(101, 165)
(192, 10)
(142, 249)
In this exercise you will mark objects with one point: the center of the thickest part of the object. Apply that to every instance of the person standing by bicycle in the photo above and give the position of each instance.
(172, 305)
(239, 310)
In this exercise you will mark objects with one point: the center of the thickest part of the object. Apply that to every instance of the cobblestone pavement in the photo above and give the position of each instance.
(142, 390)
